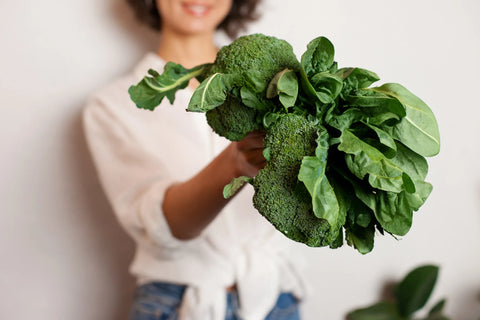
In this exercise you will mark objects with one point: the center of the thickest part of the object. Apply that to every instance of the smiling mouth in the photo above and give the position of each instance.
(196, 10)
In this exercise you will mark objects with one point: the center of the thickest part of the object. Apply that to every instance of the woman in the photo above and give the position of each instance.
(198, 256)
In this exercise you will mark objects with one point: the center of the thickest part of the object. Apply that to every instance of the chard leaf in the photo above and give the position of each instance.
(318, 57)
(236, 184)
(211, 93)
(151, 90)
(285, 86)
(312, 174)
(419, 129)
(362, 159)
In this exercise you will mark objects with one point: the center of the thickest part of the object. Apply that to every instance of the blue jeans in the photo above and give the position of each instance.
(160, 301)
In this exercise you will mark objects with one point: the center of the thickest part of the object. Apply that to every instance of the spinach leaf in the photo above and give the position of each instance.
(318, 57)
(344, 120)
(312, 174)
(253, 79)
(327, 86)
(356, 78)
(362, 159)
(387, 143)
(307, 87)
(252, 100)
(412, 163)
(377, 106)
(360, 238)
(151, 90)
(359, 225)
(394, 211)
(285, 86)
(422, 191)
(419, 129)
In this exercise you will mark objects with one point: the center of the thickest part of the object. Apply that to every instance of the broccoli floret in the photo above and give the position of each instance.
(279, 196)
(254, 60)
(263, 55)
(233, 120)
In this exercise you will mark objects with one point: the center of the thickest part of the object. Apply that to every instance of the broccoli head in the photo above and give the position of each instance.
(253, 60)
(279, 196)
(233, 120)
(262, 55)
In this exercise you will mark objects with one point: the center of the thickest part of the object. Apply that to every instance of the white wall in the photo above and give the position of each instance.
(63, 256)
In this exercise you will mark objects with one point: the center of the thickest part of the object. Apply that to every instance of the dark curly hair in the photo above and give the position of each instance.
(241, 13)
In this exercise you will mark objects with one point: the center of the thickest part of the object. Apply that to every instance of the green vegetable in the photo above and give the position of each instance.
(279, 195)
(343, 158)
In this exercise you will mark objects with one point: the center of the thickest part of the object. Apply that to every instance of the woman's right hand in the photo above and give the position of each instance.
(248, 154)
(188, 215)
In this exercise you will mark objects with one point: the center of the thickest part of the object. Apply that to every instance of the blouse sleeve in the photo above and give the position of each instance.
(131, 170)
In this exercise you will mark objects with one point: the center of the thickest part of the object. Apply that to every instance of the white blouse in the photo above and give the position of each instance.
(138, 154)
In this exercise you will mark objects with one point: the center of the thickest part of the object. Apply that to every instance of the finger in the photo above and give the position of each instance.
(257, 133)
(254, 157)
(251, 143)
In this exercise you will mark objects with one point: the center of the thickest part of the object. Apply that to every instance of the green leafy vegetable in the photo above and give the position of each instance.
(210, 94)
(313, 174)
(152, 89)
(285, 86)
(419, 129)
(344, 159)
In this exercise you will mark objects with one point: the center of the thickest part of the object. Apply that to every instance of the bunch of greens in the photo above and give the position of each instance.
(407, 297)
(343, 159)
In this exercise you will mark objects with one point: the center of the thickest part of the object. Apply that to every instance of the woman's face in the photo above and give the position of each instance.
(190, 17)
